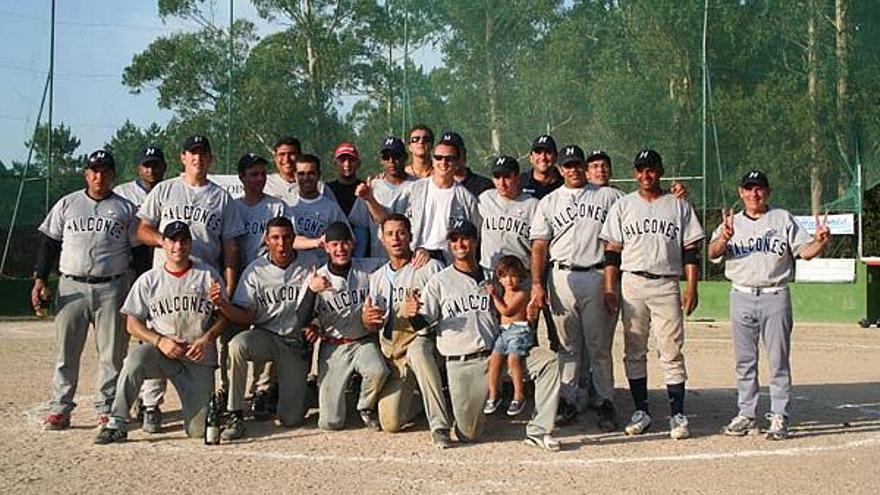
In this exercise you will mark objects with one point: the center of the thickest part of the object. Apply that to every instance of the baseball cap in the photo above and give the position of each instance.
(505, 165)
(462, 227)
(101, 158)
(393, 145)
(572, 153)
(544, 142)
(346, 148)
(248, 160)
(195, 142)
(175, 229)
(648, 158)
(598, 155)
(337, 231)
(151, 154)
(755, 178)
(452, 138)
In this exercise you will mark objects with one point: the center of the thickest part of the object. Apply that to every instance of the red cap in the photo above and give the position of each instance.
(345, 148)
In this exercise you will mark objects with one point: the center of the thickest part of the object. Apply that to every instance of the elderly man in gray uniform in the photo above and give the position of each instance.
(337, 297)
(652, 236)
(758, 246)
(413, 355)
(89, 230)
(266, 300)
(457, 303)
(179, 343)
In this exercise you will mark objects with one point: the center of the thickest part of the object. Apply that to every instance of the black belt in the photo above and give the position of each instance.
(574, 268)
(469, 357)
(92, 280)
(651, 276)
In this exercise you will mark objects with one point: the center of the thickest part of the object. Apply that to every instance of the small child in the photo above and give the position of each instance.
(516, 335)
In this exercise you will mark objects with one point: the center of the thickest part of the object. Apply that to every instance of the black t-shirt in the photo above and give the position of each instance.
(537, 190)
(476, 184)
(344, 194)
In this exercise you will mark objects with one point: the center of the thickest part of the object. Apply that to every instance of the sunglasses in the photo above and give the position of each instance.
(421, 139)
(387, 155)
(445, 158)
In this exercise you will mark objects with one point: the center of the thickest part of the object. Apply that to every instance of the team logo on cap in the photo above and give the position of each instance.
(499, 162)
(753, 175)
(151, 151)
(446, 137)
(643, 154)
(569, 150)
(389, 141)
(542, 139)
(100, 155)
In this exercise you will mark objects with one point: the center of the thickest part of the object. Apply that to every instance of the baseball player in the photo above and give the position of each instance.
(565, 230)
(432, 204)
(347, 160)
(347, 346)
(282, 184)
(506, 214)
(543, 178)
(476, 184)
(456, 302)
(421, 140)
(412, 355)
(310, 211)
(174, 297)
(267, 299)
(150, 168)
(88, 233)
(651, 236)
(758, 246)
(384, 189)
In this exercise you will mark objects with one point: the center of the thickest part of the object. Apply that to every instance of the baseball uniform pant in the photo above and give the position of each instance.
(582, 326)
(603, 350)
(336, 364)
(417, 370)
(79, 305)
(652, 306)
(468, 388)
(194, 383)
(259, 346)
(153, 392)
(765, 317)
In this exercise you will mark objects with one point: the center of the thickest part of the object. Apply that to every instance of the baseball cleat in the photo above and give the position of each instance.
(516, 407)
(368, 416)
(739, 426)
(56, 422)
(111, 435)
(544, 442)
(607, 417)
(678, 427)
(441, 439)
(235, 427)
(261, 405)
(152, 420)
(491, 406)
(639, 423)
(778, 429)
(566, 414)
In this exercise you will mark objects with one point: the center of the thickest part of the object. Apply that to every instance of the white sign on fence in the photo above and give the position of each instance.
(843, 224)
(826, 270)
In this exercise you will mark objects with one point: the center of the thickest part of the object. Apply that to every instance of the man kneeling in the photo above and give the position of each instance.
(179, 344)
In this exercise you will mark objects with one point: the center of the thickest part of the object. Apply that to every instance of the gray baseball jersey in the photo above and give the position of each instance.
(339, 307)
(571, 219)
(208, 209)
(462, 311)
(506, 226)
(94, 235)
(289, 191)
(411, 202)
(255, 218)
(274, 292)
(761, 252)
(385, 194)
(652, 232)
(389, 288)
(177, 306)
(132, 191)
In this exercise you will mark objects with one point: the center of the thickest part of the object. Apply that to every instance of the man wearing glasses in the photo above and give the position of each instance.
(421, 140)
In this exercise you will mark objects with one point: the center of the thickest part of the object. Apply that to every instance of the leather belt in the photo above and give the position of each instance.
(342, 340)
(92, 280)
(469, 357)
(757, 291)
(575, 268)
(652, 276)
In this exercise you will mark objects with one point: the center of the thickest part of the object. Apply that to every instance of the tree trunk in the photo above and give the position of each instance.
(312, 59)
(843, 129)
(492, 85)
(813, 95)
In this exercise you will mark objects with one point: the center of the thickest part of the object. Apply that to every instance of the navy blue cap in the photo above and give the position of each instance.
(544, 142)
(101, 158)
(248, 160)
(505, 165)
(462, 227)
(193, 143)
(755, 178)
(175, 229)
(393, 145)
(452, 138)
(598, 155)
(571, 153)
(338, 231)
(648, 158)
(151, 154)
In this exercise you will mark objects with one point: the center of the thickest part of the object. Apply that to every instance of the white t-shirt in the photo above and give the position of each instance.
(437, 206)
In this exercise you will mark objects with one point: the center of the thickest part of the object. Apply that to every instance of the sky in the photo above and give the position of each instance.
(94, 41)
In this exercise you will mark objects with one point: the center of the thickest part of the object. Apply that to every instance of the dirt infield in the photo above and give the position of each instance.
(835, 447)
